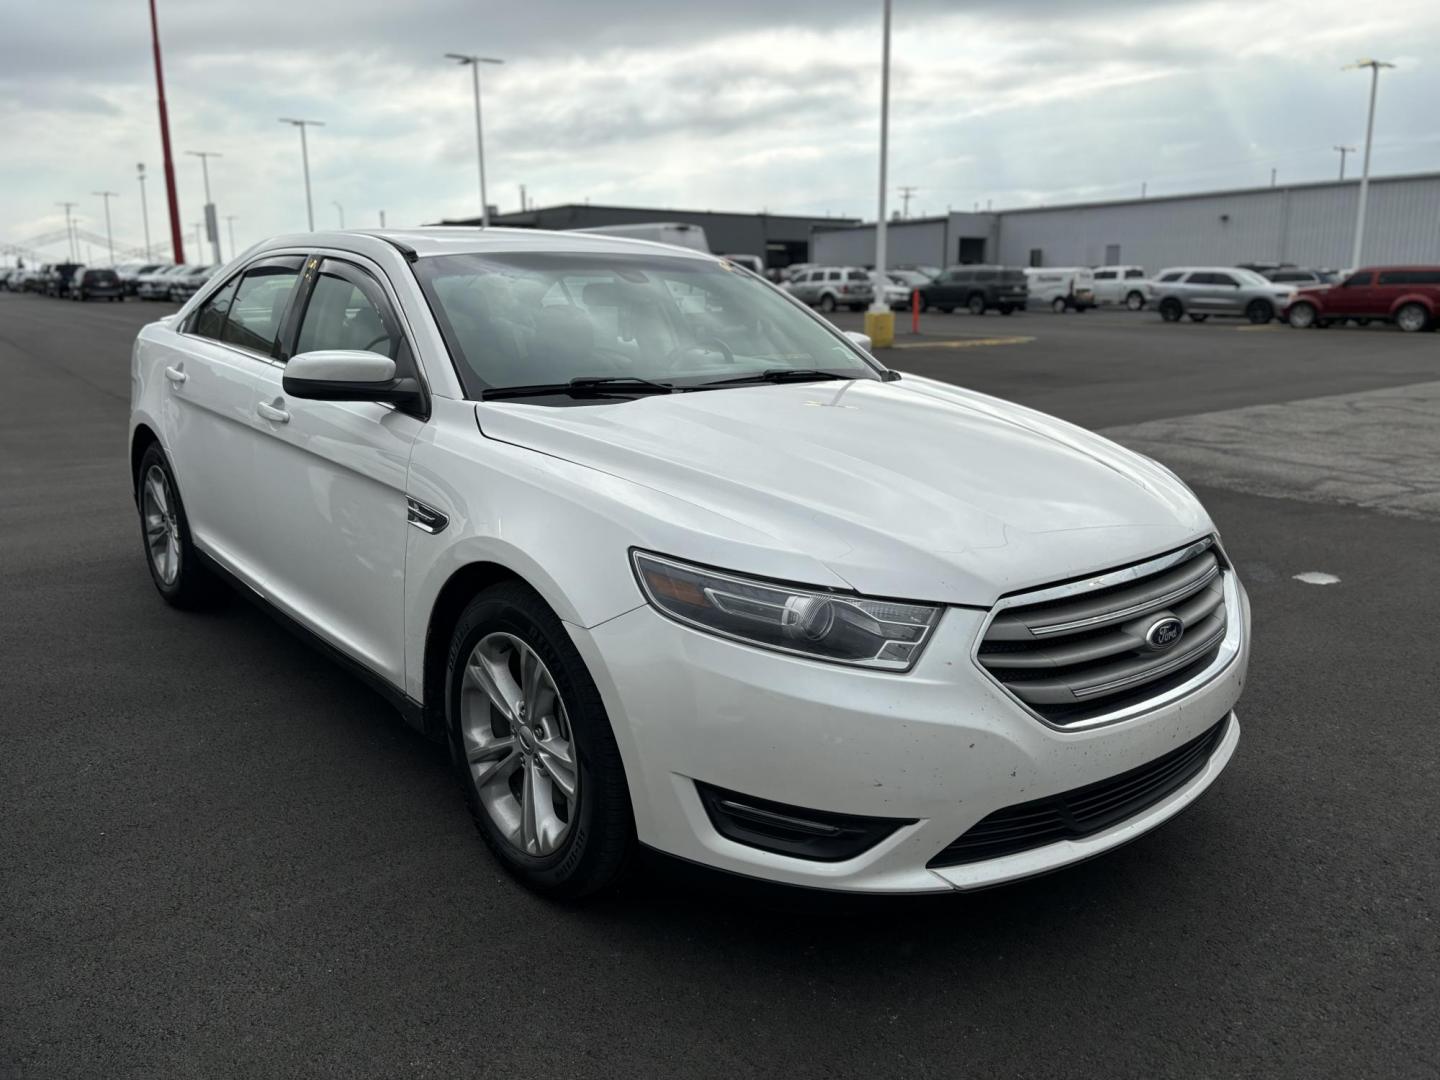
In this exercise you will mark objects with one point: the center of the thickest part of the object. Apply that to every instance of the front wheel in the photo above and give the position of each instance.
(827, 303)
(1259, 312)
(1170, 310)
(1301, 316)
(181, 579)
(1135, 301)
(976, 304)
(533, 746)
(1412, 318)
(1058, 305)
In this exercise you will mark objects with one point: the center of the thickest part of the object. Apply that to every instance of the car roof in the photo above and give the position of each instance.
(435, 240)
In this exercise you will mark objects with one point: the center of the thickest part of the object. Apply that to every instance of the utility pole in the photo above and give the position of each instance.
(109, 236)
(382, 219)
(144, 209)
(230, 226)
(305, 163)
(199, 247)
(176, 240)
(879, 317)
(1374, 66)
(1272, 177)
(341, 211)
(905, 196)
(69, 232)
(522, 198)
(474, 62)
(1343, 151)
(212, 224)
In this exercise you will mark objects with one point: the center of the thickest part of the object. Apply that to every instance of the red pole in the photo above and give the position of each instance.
(175, 234)
(915, 311)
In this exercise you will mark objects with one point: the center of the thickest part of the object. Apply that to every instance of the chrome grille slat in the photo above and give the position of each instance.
(1074, 652)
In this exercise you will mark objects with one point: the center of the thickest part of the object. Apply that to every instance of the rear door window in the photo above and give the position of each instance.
(1104, 275)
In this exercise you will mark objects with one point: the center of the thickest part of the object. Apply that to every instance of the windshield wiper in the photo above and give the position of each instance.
(583, 386)
(780, 375)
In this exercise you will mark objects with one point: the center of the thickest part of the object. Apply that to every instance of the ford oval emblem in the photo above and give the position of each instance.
(1164, 633)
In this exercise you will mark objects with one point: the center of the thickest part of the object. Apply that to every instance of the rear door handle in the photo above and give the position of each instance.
(175, 375)
(270, 412)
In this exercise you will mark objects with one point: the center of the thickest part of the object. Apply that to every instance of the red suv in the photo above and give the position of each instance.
(1409, 296)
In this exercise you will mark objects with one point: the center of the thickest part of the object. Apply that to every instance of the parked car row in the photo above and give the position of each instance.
(76, 281)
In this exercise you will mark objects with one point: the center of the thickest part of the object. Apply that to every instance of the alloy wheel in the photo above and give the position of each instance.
(1411, 317)
(162, 531)
(518, 745)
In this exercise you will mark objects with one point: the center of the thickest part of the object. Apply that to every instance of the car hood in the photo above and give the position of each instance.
(910, 489)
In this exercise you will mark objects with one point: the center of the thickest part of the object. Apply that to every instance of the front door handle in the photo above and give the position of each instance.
(175, 375)
(270, 412)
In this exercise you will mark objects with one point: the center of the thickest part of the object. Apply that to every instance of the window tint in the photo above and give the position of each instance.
(1409, 277)
(1223, 279)
(341, 314)
(258, 307)
(985, 275)
(1134, 273)
(1358, 279)
(960, 277)
(858, 275)
(1174, 275)
(211, 316)
(1104, 275)
(834, 275)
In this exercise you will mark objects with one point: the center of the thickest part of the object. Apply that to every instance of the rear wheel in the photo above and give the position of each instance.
(1259, 312)
(827, 303)
(1134, 300)
(1058, 305)
(976, 304)
(1302, 316)
(179, 576)
(537, 759)
(1412, 318)
(1170, 310)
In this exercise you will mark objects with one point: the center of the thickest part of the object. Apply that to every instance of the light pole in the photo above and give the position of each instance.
(212, 226)
(1374, 66)
(176, 243)
(230, 225)
(879, 322)
(474, 62)
(109, 236)
(144, 209)
(1343, 151)
(199, 247)
(305, 163)
(69, 232)
(339, 210)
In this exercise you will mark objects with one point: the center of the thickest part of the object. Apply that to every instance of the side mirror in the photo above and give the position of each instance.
(863, 340)
(347, 375)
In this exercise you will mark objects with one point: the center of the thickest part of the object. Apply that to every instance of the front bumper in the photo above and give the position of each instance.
(942, 745)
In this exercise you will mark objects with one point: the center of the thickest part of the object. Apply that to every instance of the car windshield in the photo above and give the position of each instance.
(519, 319)
(1250, 277)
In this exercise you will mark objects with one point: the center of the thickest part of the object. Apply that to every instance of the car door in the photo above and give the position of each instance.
(1107, 289)
(330, 475)
(208, 421)
(1354, 296)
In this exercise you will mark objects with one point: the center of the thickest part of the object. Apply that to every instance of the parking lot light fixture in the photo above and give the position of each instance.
(305, 163)
(1343, 151)
(210, 221)
(109, 236)
(144, 208)
(474, 63)
(1374, 66)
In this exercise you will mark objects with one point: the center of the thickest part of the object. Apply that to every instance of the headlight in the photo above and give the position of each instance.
(844, 629)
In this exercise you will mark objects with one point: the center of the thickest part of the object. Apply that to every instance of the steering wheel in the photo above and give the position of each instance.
(370, 347)
(714, 343)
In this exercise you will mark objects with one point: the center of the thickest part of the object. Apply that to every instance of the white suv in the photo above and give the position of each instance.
(1126, 285)
(666, 559)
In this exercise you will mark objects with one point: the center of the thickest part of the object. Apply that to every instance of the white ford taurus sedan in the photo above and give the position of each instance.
(666, 559)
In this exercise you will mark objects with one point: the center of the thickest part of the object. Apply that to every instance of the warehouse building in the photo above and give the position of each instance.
(1309, 225)
(779, 239)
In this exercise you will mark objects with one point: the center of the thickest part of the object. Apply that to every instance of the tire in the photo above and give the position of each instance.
(827, 303)
(1058, 305)
(1259, 312)
(1303, 316)
(1007, 309)
(1134, 300)
(948, 309)
(503, 627)
(1198, 318)
(184, 582)
(1170, 310)
(976, 304)
(1412, 318)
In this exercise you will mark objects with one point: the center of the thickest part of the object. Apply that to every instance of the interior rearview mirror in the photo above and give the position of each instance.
(347, 375)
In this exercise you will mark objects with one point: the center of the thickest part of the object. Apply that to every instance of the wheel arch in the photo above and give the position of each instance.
(1413, 298)
(459, 588)
(141, 439)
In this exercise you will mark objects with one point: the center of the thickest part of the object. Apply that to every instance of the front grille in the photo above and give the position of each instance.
(1077, 652)
(1085, 810)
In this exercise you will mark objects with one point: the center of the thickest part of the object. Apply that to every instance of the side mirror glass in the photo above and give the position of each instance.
(347, 375)
(863, 340)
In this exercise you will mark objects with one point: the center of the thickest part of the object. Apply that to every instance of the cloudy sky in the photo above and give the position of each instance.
(738, 105)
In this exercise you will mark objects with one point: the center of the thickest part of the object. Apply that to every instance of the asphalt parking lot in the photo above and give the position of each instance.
(223, 856)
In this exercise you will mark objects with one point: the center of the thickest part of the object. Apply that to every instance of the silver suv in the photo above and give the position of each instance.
(829, 287)
(1202, 291)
